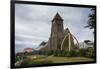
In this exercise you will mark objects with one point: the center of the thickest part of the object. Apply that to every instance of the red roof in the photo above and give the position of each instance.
(28, 49)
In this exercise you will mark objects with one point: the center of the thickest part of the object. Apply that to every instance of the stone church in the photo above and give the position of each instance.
(60, 38)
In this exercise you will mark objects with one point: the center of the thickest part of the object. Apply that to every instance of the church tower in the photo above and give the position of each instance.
(60, 39)
(56, 32)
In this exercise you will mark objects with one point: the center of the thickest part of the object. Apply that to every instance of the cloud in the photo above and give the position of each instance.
(33, 23)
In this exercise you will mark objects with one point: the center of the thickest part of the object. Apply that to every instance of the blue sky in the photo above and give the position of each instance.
(33, 23)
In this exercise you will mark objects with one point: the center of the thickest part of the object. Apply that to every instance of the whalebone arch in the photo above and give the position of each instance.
(67, 37)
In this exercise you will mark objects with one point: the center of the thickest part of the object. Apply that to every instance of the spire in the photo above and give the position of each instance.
(66, 30)
(57, 16)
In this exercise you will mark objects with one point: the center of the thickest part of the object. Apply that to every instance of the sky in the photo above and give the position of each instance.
(33, 24)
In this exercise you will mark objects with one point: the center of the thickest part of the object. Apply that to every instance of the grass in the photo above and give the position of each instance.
(64, 59)
(41, 59)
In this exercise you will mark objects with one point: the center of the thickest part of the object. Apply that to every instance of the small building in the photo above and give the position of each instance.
(87, 44)
(28, 50)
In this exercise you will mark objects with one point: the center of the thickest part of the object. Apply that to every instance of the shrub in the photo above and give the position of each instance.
(65, 53)
(90, 53)
(17, 58)
(58, 53)
(72, 53)
(82, 52)
(50, 52)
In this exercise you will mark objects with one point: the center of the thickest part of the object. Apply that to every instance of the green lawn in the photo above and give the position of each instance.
(65, 59)
(41, 59)
(61, 59)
